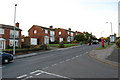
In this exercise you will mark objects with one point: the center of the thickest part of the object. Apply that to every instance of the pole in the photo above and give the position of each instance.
(14, 29)
(111, 28)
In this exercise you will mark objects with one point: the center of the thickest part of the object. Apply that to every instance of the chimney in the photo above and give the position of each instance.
(17, 24)
(51, 27)
(69, 29)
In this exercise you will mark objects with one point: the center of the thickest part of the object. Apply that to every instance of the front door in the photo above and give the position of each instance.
(2, 44)
(46, 40)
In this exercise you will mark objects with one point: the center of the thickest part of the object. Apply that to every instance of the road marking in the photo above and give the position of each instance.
(54, 64)
(68, 60)
(38, 74)
(45, 68)
(54, 74)
(35, 71)
(61, 61)
(77, 56)
(29, 77)
(22, 76)
(73, 57)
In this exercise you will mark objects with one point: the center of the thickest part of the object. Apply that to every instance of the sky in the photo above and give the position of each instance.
(81, 15)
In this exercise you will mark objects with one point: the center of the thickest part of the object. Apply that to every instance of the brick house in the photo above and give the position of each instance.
(41, 35)
(7, 36)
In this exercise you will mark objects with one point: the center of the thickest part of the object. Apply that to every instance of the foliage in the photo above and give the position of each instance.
(118, 42)
(79, 37)
(61, 45)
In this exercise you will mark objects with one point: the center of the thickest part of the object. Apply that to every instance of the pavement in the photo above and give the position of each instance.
(39, 53)
(108, 55)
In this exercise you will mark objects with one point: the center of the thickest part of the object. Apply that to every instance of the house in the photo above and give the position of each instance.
(7, 36)
(41, 35)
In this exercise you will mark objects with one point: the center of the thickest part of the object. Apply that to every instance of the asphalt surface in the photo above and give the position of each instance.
(114, 56)
(65, 63)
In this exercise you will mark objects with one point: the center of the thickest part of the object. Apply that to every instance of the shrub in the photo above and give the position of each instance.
(61, 45)
(64, 42)
(118, 42)
(44, 47)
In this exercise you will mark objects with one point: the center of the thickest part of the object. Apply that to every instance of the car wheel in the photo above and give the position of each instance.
(6, 61)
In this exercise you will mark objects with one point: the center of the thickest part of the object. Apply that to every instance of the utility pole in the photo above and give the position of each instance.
(14, 29)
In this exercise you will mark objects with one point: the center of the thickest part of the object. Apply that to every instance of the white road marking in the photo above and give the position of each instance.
(38, 74)
(77, 56)
(67, 59)
(61, 61)
(22, 76)
(73, 57)
(54, 64)
(35, 71)
(54, 74)
(45, 68)
(29, 77)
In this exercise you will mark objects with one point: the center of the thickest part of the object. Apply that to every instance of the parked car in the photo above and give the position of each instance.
(95, 42)
(5, 57)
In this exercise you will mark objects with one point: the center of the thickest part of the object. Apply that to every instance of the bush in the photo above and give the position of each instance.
(44, 47)
(61, 45)
(118, 42)
(64, 42)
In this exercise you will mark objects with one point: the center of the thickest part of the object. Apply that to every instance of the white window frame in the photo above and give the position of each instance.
(35, 31)
(60, 39)
(52, 39)
(1, 31)
(33, 41)
(46, 31)
(59, 33)
(68, 33)
(11, 42)
(71, 33)
(52, 33)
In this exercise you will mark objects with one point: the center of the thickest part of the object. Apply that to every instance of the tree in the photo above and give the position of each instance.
(79, 37)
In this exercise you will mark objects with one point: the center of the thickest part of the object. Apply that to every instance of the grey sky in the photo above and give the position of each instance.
(81, 15)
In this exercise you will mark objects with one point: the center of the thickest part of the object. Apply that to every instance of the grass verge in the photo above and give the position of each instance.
(100, 48)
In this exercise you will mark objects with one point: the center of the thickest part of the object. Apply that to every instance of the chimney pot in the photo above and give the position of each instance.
(51, 27)
(17, 24)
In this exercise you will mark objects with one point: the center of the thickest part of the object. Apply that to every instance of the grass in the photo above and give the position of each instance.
(100, 48)
(66, 45)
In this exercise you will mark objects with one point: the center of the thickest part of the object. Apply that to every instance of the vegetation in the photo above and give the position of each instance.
(65, 45)
(107, 45)
(118, 43)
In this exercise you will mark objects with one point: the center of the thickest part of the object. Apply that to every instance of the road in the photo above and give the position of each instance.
(66, 63)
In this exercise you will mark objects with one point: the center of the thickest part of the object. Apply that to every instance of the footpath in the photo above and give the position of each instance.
(109, 55)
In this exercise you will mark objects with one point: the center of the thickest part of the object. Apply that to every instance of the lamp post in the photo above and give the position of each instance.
(111, 27)
(14, 29)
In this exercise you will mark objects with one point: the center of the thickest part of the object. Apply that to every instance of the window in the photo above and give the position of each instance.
(46, 31)
(59, 33)
(60, 39)
(33, 41)
(68, 33)
(52, 33)
(35, 31)
(12, 34)
(11, 43)
(71, 34)
(52, 39)
(68, 39)
(1, 31)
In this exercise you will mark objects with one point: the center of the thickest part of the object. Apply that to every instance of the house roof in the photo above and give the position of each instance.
(9, 27)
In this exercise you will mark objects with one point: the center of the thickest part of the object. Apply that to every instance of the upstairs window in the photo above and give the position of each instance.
(46, 31)
(59, 33)
(1, 31)
(52, 33)
(35, 31)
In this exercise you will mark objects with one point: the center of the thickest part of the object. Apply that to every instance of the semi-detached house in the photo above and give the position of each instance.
(42, 35)
(7, 36)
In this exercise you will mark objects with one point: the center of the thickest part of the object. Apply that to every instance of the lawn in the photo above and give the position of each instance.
(66, 45)
(104, 46)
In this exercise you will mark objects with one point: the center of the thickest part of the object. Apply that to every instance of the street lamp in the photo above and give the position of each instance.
(101, 33)
(14, 29)
(111, 27)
